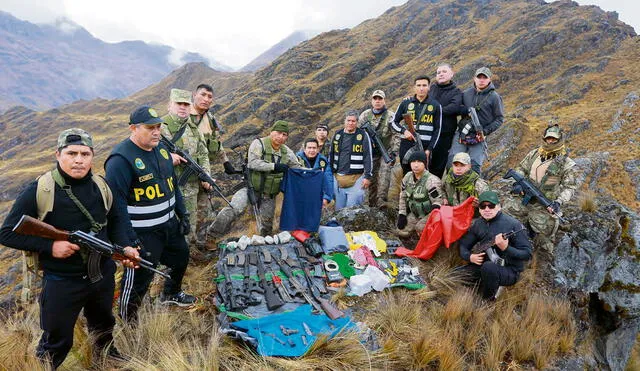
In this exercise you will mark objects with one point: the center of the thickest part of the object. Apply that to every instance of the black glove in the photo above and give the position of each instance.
(555, 206)
(228, 168)
(402, 221)
(516, 189)
(184, 226)
(280, 168)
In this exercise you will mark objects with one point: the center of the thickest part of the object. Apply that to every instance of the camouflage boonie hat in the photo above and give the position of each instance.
(144, 115)
(553, 132)
(74, 136)
(180, 96)
(483, 71)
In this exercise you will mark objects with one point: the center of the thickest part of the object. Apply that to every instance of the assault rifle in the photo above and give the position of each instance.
(531, 191)
(377, 141)
(191, 167)
(488, 247)
(33, 227)
(215, 122)
(271, 296)
(479, 130)
(251, 193)
(408, 119)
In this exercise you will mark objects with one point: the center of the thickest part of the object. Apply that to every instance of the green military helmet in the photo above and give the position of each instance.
(553, 131)
(73, 136)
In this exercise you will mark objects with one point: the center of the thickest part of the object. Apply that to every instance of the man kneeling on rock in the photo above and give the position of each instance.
(505, 258)
(421, 193)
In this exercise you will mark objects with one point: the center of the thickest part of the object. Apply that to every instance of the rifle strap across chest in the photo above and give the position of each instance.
(95, 226)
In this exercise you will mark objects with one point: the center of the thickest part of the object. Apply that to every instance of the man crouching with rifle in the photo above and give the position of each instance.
(509, 253)
(70, 197)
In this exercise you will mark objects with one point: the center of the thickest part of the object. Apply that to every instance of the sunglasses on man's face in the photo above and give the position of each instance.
(487, 204)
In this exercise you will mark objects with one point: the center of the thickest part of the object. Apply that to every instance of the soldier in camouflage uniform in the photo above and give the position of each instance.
(421, 193)
(211, 131)
(461, 182)
(184, 133)
(380, 118)
(322, 136)
(268, 159)
(553, 173)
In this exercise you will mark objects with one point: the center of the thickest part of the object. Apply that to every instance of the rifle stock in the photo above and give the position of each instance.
(479, 130)
(31, 226)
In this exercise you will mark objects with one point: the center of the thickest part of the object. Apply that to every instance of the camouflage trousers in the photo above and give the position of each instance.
(537, 218)
(414, 224)
(190, 196)
(378, 191)
(239, 203)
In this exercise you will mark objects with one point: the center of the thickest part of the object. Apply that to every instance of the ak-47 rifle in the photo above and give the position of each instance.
(479, 130)
(251, 193)
(192, 167)
(531, 191)
(377, 142)
(271, 296)
(408, 120)
(33, 227)
(488, 247)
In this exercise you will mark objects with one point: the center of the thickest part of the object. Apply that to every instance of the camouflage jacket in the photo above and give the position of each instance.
(556, 178)
(418, 195)
(191, 141)
(389, 138)
(211, 134)
(456, 196)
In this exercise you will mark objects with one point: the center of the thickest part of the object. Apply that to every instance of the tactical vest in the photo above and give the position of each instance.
(418, 199)
(382, 129)
(356, 160)
(151, 197)
(211, 139)
(268, 182)
(425, 123)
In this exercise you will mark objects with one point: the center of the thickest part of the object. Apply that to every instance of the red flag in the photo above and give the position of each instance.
(445, 225)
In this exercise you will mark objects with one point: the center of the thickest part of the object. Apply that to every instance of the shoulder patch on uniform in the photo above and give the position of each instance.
(359, 137)
(411, 106)
(139, 164)
(337, 136)
(430, 108)
(164, 153)
(146, 177)
(323, 163)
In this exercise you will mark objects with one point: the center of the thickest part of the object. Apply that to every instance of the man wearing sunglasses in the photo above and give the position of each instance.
(512, 253)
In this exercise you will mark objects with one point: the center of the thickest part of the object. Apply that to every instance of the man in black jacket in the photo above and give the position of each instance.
(427, 115)
(77, 200)
(449, 95)
(514, 251)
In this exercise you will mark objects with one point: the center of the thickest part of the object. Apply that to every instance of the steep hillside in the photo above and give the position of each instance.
(275, 51)
(45, 66)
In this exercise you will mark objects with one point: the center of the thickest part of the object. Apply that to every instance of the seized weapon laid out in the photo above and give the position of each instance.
(271, 296)
(191, 167)
(531, 191)
(377, 142)
(251, 193)
(488, 247)
(33, 227)
(408, 119)
(479, 130)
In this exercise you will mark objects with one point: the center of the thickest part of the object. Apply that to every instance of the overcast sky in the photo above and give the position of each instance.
(231, 32)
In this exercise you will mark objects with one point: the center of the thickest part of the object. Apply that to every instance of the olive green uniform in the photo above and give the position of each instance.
(192, 142)
(556, 178)
(457, 190)
(378, 191)
(416, 200)
(261, 159)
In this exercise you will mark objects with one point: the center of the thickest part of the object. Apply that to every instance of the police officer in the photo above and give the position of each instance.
(554, 174)
(380, 118)
(178, 128)
(427, 116)
(421, 193)
(71, 198)
(310, 158)
(268, 158)
(489, 228)
(141, 174)
(351, 162)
